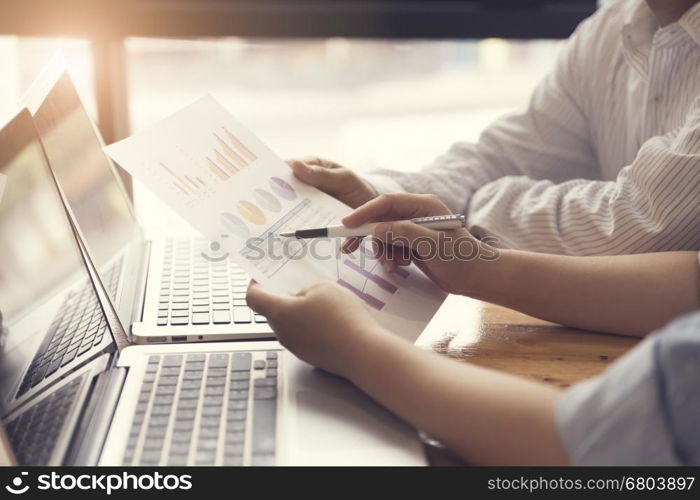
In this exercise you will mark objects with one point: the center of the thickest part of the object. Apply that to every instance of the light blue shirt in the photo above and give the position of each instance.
(644, 409)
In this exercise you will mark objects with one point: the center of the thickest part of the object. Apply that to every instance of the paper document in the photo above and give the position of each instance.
(225, 182)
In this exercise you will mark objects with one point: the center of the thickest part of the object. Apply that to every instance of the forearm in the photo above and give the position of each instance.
(453, 176)
(484, 416)
(627, 294)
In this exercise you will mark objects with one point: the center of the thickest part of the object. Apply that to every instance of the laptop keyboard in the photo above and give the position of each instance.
(112, 277)
(206, 409)
(199, 289)
(79, 325)
(34, 434)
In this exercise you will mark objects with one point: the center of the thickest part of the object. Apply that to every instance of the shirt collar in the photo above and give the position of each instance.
(639, 26)
(690, 22)
(640, 30)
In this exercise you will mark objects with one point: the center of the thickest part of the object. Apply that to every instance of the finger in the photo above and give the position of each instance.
(396, 206)
(406, 234)
(263, 302)
(312, 160)
(329, 179)
(315, 160)
(351, 244)
(312, 289)
(402, 261)
(401, 256)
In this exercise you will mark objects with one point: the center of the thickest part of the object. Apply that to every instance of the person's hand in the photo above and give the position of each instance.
(324, 325)
(449, 258)
(333, 179)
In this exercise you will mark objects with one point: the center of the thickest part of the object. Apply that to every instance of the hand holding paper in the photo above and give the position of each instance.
(224, 181)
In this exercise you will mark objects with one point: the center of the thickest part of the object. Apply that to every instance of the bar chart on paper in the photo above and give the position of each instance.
(365, 277)
(193, 175)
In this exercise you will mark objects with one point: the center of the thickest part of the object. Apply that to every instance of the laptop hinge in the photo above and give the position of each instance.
(140, 295)
(102, 401)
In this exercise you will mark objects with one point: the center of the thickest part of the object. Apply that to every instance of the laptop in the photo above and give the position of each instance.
(166, 289)
(217, 403)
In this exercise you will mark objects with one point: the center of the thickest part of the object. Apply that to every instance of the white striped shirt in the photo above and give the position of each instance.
(605, 159)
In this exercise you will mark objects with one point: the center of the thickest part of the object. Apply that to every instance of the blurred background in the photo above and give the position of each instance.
(376, 86)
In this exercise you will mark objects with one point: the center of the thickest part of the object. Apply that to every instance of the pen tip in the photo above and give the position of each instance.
(286, 235)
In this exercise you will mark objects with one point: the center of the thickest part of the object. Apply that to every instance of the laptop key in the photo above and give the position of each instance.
(265, 382)
(218, 360)
(172, 360)
(200, 318)
(241, 362)
(54, 366)
(266, 460)
(234, 437)
(233, 460)
(238, 394)
(179, 449)
(179, 321)
(84, 348)
(264, 427)
(205, 457)
(265, 393)
(241, 315)
(221, 317)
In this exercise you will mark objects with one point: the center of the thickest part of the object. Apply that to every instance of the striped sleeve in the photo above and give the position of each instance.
(549, 139)
(653, 205)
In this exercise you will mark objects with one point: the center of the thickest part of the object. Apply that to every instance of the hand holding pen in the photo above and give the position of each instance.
(408, 233)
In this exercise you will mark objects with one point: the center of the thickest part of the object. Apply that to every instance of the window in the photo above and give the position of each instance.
(363, 103)
(366, 103)
(22, 59)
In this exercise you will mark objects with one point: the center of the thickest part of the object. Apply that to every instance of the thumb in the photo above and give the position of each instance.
(326, 179)
(264, 302)
(407, 234)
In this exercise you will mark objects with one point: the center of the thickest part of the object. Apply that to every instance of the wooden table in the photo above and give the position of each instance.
(503, 339)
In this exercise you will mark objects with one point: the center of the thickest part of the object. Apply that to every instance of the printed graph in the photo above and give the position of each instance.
(282, 189)
(227, 157)
(367, 283)
(184, 183)
(230, 156)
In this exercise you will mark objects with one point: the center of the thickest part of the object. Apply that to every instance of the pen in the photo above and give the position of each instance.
(440, 222)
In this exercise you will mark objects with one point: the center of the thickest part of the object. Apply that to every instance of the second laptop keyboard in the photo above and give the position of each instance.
(35, 433)
(206, 409)
(79, 325)
(200, 287)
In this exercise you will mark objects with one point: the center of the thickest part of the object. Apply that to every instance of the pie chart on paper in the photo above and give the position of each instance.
(251, 213)
(234, 225)
(282, 188)
(267, 200)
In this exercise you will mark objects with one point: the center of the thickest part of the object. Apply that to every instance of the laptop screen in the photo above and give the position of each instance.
(38, 250)
(74, 151)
